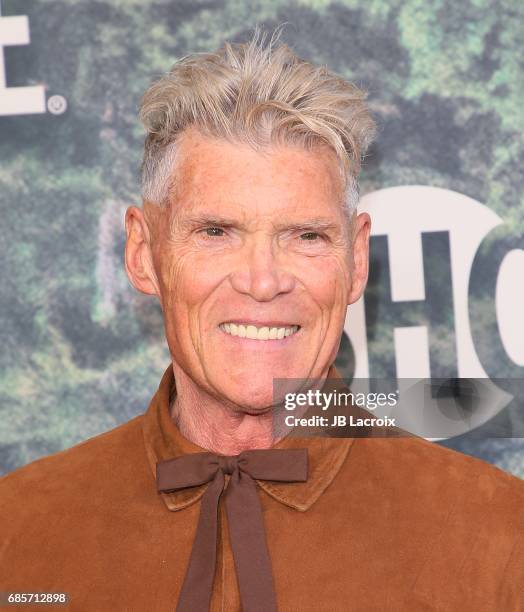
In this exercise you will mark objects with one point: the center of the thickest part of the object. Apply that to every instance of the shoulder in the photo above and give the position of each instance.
(66, 505)
(71, 473)
(429, 465)
(477, 510)
(464, 516)
(467, 501)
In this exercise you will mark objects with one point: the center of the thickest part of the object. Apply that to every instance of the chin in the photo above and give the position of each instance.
(251, 400)
(257, 393)
(267, 371)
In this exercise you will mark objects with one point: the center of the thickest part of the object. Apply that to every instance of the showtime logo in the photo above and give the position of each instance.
(22, 100)
(445, 295)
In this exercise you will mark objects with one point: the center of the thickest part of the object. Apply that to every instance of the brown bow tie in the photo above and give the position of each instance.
(244, 515)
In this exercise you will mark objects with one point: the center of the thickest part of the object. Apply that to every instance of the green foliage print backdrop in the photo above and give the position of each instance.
(81, 351)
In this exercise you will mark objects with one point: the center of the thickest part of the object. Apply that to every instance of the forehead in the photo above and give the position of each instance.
(216, 173)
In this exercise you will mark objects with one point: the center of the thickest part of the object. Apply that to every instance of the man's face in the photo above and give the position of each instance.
(254, 267)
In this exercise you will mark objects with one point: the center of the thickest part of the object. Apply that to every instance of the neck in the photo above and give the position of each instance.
(217, 427)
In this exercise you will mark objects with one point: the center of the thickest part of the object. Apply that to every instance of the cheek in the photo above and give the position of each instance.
(188, 279)
(327, 281)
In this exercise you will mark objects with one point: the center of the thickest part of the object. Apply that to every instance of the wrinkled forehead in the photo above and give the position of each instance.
(212, 172)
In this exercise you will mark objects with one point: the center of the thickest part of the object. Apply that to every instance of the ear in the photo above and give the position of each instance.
(138, 253)
(360, 256)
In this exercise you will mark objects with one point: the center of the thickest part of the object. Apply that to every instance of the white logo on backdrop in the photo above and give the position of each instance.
(14, 30)
(404, 214)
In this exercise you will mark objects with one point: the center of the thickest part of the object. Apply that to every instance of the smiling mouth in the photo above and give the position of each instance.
(254, 332)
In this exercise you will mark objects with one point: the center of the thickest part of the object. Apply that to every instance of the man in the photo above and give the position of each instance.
(250, 240)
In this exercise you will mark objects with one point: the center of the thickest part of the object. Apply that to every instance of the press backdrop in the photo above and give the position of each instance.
(82, 352)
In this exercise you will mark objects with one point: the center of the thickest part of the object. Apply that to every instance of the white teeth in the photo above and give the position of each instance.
(258, 333)
(263, 333)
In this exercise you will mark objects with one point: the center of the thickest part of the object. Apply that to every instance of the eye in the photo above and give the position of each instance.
(214, 231)
(309, 236)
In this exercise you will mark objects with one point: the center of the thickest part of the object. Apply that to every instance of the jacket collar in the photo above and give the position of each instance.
(163, 441)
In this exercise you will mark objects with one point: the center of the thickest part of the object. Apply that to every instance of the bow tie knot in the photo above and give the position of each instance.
(244, 515)
(228, 463)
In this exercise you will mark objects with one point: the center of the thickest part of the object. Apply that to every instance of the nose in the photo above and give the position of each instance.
(261, 272)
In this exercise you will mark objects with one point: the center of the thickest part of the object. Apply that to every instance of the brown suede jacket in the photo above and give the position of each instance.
(382, 524)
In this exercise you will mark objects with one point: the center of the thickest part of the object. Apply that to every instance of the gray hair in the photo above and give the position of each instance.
(258, 95)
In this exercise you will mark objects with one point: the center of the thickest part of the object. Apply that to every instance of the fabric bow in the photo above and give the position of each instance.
(244, 515)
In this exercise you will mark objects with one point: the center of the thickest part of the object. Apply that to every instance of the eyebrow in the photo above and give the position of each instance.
(316, 223)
